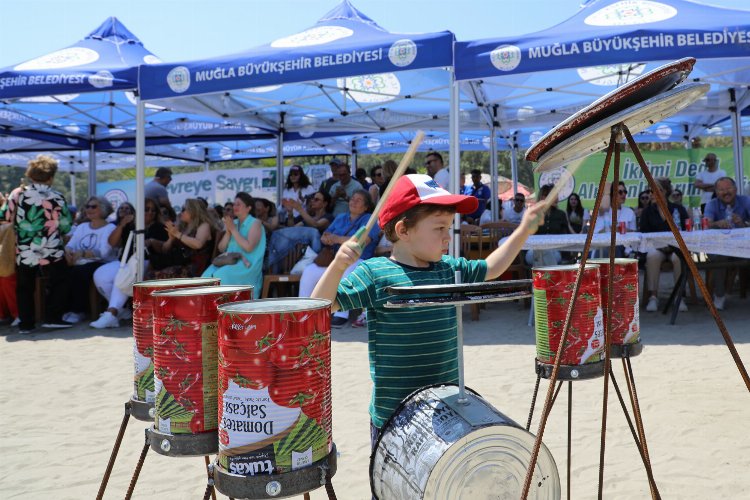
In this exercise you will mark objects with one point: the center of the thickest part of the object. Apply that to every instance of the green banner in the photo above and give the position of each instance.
(680, 165)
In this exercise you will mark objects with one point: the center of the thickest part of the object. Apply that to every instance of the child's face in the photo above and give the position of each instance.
(428, 240)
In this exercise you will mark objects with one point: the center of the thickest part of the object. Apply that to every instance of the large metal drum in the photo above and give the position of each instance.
(435, 447)
(185, 367)
(143, 339)
(274, 399)
(582, 354)
(625, 336)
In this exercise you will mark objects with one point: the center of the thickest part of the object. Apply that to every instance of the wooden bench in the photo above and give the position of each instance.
(97, 303)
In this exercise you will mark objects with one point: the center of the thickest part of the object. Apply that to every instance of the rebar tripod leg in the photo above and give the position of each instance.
(138, 466)
(210, 486)
(329, 488)
(533, 400)
(570, 428)
(115, 450)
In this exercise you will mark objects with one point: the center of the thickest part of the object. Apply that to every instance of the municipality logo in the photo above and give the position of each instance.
(178, 79)
(402, 53)
(102, 79)
(506, 57)
(313, 36)
(629, 12)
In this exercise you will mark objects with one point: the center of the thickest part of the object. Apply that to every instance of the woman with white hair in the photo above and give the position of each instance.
(88, 249)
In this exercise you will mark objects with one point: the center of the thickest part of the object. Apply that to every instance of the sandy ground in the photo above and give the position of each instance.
(63, 394)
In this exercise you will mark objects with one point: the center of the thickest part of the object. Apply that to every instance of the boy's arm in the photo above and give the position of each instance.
(499, 260)
(347, 255)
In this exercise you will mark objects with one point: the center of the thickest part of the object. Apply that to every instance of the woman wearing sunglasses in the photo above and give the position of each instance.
(87, 250)
(296, 188)
(624, 214)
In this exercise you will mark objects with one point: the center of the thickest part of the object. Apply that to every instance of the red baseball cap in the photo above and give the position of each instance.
(419, 189)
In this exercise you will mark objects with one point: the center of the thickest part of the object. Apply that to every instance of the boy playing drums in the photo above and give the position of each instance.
(410, 348)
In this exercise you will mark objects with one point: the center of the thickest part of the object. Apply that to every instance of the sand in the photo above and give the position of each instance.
(63, 395)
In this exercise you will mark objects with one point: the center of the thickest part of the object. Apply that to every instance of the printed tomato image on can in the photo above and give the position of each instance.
(143, 330)
(553, 291)
(625, 316)
(185, 356)
(274, 385)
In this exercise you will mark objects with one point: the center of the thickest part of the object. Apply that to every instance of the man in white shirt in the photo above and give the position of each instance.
(515, 212)
(436, 170)
(705, 179)
(343, 190)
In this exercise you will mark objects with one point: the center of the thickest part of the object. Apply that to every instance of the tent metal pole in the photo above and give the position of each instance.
(455, 159)
(514, 161)
(92, 160)
(140, 182)
(72, 186)
(739, 168)
(279, 165)
(493, 175)
(354, 158)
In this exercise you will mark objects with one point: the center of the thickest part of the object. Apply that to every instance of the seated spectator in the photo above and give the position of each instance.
(265, 212)
(727, 211)
(378, 180)
(168, 214)
(315, 220)
(481, 192)
(190, 244)
(245, 235)
(578, 216)
(652, 221)
(296, 188)
(325, 186)
(8, 303)
(555, 222)
(389, 168)
(361, 176)
(104, 276)
(516, 211)
(624, 214)
(487, 214)
(677, 199)
(644, 200)
(87, 250)
(341, 230)
(342, 190)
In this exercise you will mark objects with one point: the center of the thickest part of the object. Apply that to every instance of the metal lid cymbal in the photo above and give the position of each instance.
(638, 117)
(635, 91)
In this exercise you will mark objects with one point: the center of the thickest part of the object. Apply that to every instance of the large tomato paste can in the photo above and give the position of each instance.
(274, 385)
(625, 336)
(143, 334)
(185, 356)
(553, 292)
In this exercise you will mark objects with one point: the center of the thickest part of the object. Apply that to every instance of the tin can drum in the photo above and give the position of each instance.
(434, 447)
(142, 402)
(274, 398)
(185, 367)
(582, 354)
(625, 336)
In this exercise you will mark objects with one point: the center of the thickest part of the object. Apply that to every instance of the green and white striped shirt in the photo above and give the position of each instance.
(409, 348)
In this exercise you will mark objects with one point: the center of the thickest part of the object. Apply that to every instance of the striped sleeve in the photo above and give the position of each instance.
(472, 271)
(357, 290)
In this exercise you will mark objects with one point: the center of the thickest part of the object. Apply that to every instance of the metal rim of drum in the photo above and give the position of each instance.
(175, 281)
(655, 82)
(570, 372)
(202, 290)
(184, 445)
(565, 267)
(265, 306)
(288, 484)
(605, 260)
(544, 452)
(625, 350)
(637, 117)
(141, 410)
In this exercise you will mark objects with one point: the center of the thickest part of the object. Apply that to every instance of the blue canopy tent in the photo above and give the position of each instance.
(533, 82)
(343, 75)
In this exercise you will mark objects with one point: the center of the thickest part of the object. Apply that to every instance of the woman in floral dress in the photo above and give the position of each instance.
(40, 217)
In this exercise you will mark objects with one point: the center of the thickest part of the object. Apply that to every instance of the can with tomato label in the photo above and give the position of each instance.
(274, 402)
(553, 292)
(621, 227)
(185, 356)
(143, 339)
(625, 336)
(705, 223)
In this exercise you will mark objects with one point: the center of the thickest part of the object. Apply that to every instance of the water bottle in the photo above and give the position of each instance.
(728, 215)
(676, 218)
(697, 219)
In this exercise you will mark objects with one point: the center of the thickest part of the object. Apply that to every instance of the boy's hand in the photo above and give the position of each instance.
(347, 254)
(533, 218)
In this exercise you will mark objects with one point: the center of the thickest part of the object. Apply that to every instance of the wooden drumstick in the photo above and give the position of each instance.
(402, 166)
